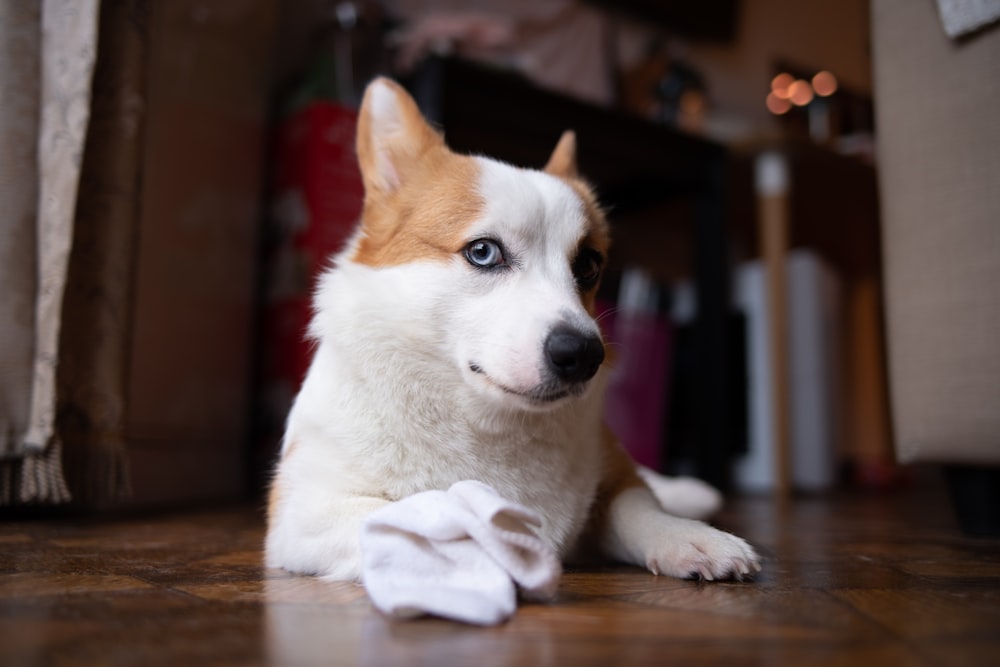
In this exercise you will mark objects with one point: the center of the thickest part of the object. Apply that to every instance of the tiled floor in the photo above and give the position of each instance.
(859, 580)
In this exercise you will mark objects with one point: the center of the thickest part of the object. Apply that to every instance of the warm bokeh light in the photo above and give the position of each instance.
(780, 84)
(800, 93)
(777, 105)
(824, 83)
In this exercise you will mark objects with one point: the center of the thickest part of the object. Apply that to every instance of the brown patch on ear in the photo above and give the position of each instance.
(392, 137)
(562, 162)
(427, 217)
(419, 196)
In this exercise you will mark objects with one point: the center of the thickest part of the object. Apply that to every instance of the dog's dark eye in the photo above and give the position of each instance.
(587, 268)
(485, 253)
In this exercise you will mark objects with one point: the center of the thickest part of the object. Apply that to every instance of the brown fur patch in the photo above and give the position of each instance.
(617, 475)
(274, 492)
(273, 499)
(598, 231)
(427, 217)
(597, 234)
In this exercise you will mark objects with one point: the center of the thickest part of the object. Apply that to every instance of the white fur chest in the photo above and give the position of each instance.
(389, 425)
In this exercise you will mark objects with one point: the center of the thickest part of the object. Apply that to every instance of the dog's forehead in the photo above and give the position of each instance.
(532, 206)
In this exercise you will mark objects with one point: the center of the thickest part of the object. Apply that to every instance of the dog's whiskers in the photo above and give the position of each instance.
(607, 313)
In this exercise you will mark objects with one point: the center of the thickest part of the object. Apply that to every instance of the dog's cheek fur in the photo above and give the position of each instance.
(501, 333)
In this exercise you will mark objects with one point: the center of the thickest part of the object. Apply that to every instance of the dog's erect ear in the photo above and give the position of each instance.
(392, 136)
(563, 159)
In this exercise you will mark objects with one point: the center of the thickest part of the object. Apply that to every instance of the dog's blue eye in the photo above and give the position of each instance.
(485, 253)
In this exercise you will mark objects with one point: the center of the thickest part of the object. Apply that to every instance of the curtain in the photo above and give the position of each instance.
(48, 52)
(70, 127)
(97, 313)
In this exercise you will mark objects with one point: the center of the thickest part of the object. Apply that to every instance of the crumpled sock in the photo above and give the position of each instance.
(460, 554)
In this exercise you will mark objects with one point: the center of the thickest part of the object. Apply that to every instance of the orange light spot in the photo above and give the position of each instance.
(777, 105)
(800, 93)
(780, 84)
(824, 83)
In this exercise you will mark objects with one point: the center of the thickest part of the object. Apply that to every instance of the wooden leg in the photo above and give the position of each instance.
(772, 217)
(867, 401)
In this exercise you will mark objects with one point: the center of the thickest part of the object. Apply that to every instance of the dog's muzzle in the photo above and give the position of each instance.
(573, 356)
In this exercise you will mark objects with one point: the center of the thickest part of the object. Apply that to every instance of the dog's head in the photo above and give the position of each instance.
(503, 263)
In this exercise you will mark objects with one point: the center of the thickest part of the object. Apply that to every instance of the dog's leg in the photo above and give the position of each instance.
(632, 527)
(320, 535)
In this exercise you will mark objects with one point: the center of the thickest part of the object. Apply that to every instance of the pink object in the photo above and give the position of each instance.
(636, 398)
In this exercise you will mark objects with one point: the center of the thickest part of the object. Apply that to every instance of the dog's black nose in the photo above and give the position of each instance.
(573, 356)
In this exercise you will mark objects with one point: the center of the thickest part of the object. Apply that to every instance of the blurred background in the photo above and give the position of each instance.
(801, 196)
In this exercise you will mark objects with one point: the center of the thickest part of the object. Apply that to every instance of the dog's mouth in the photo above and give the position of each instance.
(540, 395)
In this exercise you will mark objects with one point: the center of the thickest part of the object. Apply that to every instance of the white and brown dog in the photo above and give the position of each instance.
(456, 340)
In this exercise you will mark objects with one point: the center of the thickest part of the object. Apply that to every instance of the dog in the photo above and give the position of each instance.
(455, 339)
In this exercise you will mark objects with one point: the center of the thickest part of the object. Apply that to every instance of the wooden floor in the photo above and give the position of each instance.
(853, 580)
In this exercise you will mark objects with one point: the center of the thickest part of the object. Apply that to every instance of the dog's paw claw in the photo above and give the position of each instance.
(707, 554)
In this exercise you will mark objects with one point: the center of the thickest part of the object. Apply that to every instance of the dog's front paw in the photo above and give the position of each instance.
(695, 550)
